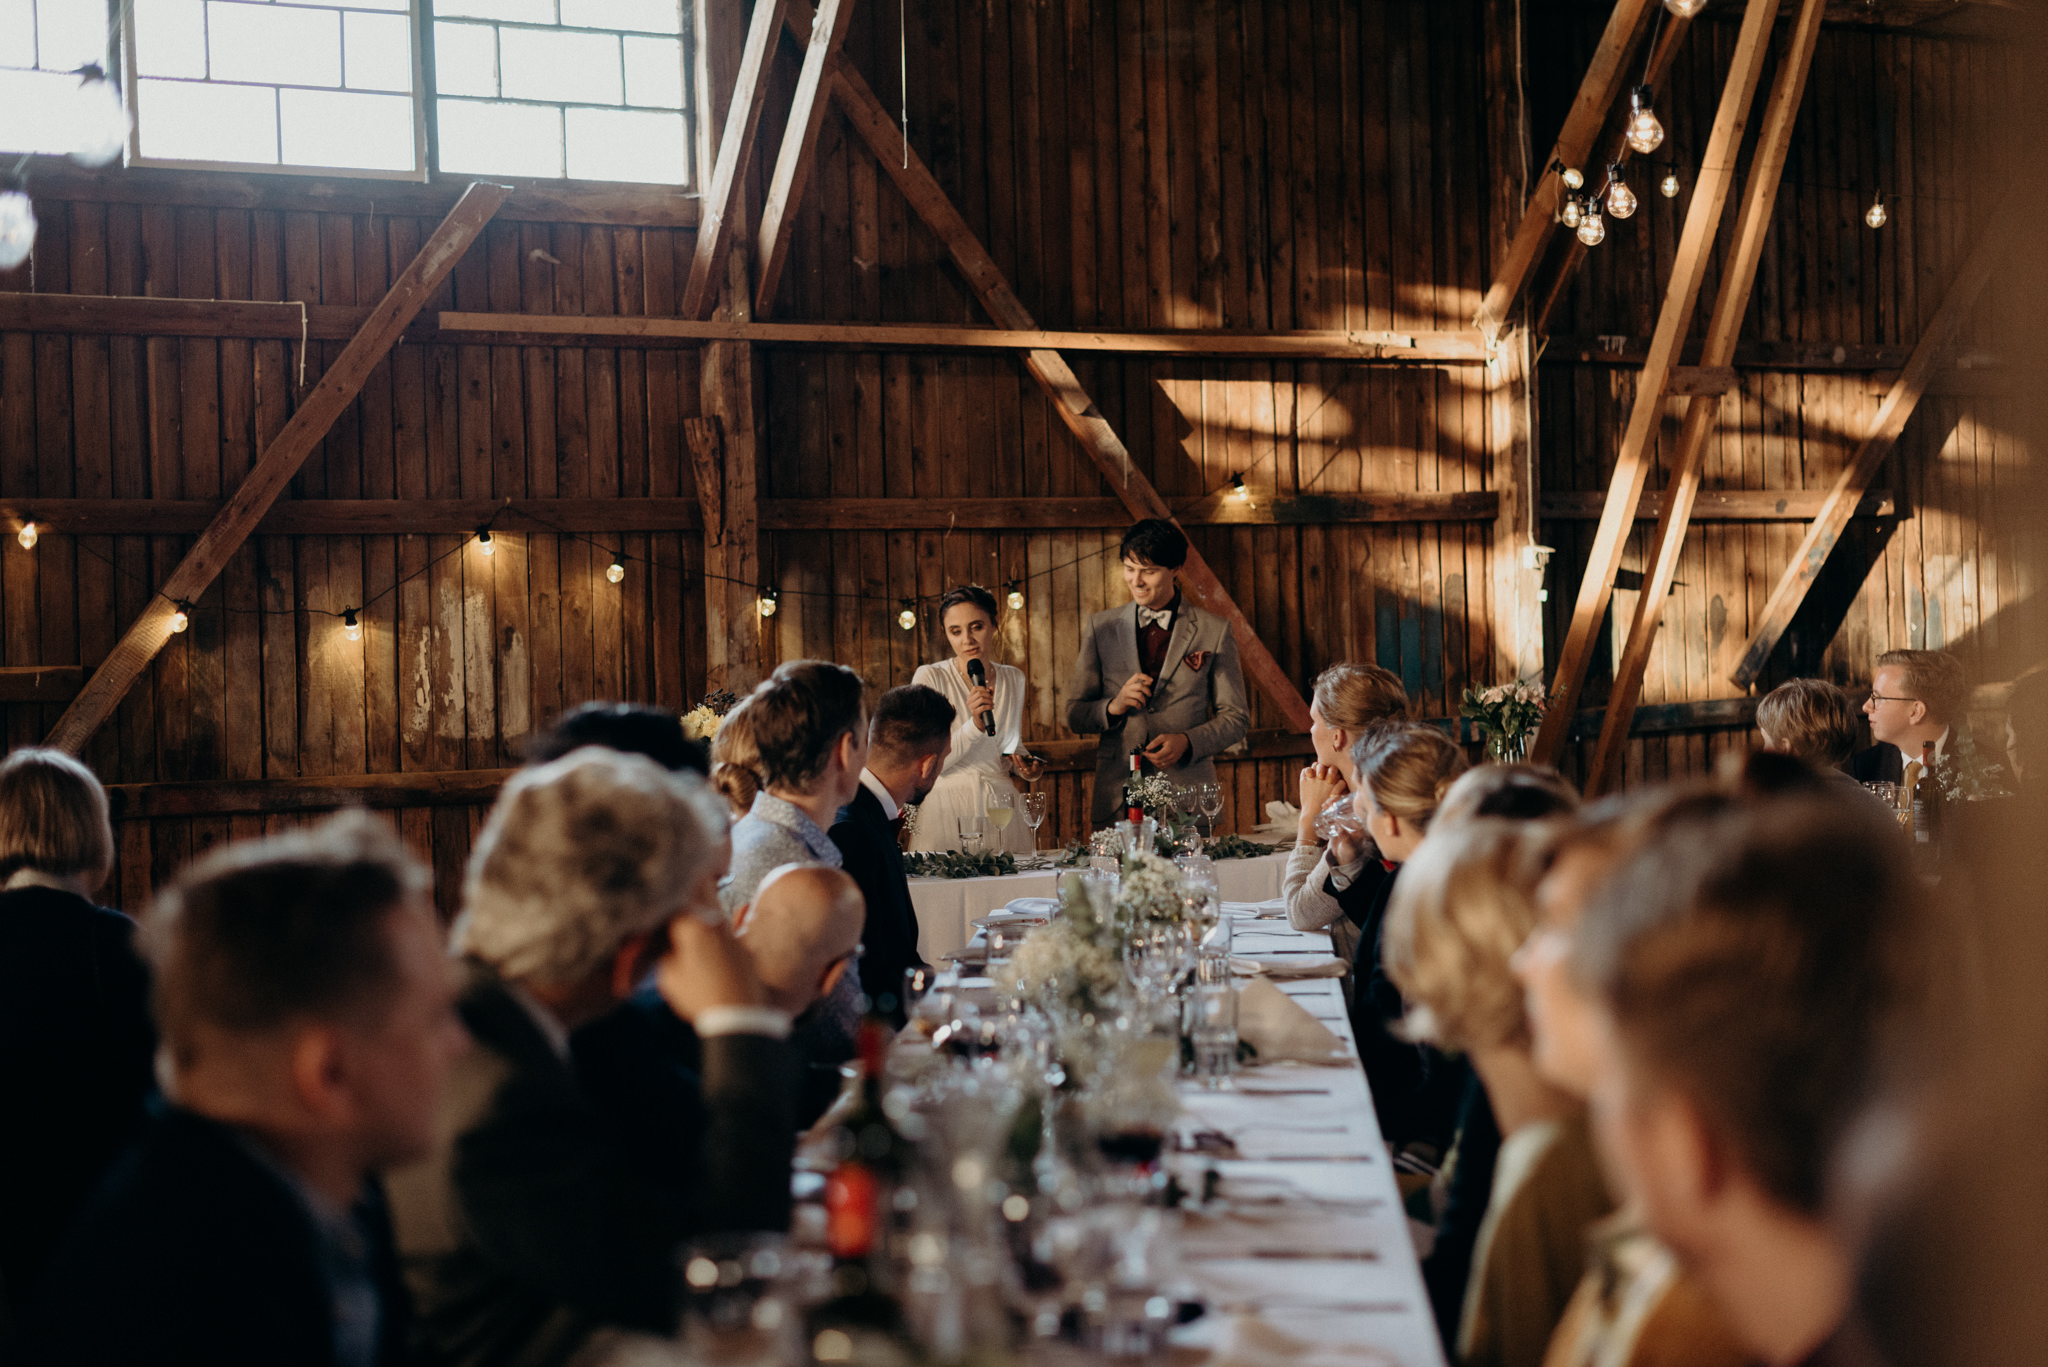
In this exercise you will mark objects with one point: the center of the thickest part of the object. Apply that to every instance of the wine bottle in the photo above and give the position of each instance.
(1133, 810)
(860, 1203)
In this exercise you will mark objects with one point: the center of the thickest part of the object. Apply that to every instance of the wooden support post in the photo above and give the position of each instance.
(329, 397)
(1075, 408)
(1582, 125)
(732, 554)
(721, 208)
(1891, 420)
(1760, 198)
(799, 141)
(1632, 467)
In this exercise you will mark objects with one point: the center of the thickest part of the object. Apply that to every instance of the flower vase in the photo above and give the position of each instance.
(1502, 748)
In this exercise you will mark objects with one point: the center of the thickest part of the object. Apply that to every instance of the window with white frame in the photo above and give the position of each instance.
(551, 89)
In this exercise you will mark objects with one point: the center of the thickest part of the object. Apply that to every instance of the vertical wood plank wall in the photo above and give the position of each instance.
(1259, 164)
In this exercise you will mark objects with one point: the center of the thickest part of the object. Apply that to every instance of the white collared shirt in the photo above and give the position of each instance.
(882, 794)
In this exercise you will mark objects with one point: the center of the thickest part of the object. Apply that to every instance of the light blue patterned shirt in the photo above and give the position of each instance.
(775, 832)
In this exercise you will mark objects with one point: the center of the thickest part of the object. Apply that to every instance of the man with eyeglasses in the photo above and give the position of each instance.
(1913, 698)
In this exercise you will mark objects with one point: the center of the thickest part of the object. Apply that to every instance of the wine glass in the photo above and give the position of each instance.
(1034, 815)
(1212, 804)
(999, 802)
(1187, 800)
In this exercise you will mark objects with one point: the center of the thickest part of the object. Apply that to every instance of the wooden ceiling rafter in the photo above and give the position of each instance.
(799, 144)
(720, 210)
(1753, 223)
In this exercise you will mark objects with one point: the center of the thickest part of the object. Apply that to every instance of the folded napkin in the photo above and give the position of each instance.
(1283, 819)
(1305, 967)
(1027, 906)
(1255, 1341)
(1274, 1024)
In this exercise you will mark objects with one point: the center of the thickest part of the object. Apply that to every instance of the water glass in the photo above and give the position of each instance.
(973, 829)
(1212, 1028)
(1339, 817)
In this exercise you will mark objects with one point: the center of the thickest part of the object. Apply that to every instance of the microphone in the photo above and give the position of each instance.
(979, 678)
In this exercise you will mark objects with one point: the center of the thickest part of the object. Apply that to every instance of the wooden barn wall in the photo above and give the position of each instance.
(1884, 109)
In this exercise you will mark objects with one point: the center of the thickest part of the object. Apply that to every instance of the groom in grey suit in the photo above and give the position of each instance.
(1159, 676)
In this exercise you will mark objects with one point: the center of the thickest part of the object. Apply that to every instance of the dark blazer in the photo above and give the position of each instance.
(1881, 763)
(1416, 1090)
(198, 1251)
(875, 861)
(531, 1225)
(76, 1048)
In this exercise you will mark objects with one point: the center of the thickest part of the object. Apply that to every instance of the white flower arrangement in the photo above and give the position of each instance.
(1154, 793)
(701, 723)
(1505, 714)
(1063, 963)
(1151, 890)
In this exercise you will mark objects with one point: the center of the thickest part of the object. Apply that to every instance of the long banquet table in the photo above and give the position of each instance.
(948, 907)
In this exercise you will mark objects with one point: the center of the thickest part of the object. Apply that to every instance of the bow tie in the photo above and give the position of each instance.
(1154, 617)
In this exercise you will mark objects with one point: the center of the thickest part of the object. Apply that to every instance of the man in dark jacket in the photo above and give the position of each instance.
(307, 1010)
(908, 741)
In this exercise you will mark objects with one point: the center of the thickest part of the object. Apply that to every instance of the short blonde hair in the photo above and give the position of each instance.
(1408, 767)
(1460, 909)
(1812, 720)
(53, 816)
(579, 855)
(1934, 677)
(1353, 697)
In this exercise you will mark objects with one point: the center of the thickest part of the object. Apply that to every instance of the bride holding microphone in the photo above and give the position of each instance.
(988, 699)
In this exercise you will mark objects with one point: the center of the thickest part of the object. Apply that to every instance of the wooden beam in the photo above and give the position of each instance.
(720, 208)
(1689, 380)
(799, 142)
(329, 397)
(40, 683)
(249, 797)
(1075, 408)
(1738, 277)
(1632, 467)
(1631, 352)
(1722, 505)
(358, 517)
(1891, 420)
(1603, 81)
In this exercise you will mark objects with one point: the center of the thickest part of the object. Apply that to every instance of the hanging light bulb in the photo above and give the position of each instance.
(181, 617)
(1244, 495)
(768, 601)
(1621, 201)
(615, 571)
(484, 542)
(99, 120)
(1572, 212)
(1669, 187)
(27, 536)
(17, 226)
(1685, 9)
(907, 619)
(1645, 134)
(1875, 216)
(1592, 229)
(1016, 598)
(350, 626)
(1573, 180)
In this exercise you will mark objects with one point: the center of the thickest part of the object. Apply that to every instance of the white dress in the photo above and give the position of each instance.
(977, 758)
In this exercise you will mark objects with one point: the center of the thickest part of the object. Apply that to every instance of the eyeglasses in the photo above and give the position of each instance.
(1876, 696)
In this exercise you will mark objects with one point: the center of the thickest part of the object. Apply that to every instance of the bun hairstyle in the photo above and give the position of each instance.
(736, 761)
(1408, 767)
(1353, 697)
(972, 594)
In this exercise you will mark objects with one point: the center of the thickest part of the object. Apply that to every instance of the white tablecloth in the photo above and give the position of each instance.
(948, 907)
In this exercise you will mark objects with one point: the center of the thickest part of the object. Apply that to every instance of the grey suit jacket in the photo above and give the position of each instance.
(1207, 704)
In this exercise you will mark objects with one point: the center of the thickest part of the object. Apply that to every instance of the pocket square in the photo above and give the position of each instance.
(1194, 660)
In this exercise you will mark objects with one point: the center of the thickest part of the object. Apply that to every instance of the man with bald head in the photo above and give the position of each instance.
(803, 932)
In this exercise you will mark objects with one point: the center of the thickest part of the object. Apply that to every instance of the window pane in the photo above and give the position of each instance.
(184, 121)
(17, 33)
(170, 38)
(358, 132)
(396, 6)
(500, 139)
(648, 16)
(466, 59)
(34, 111)
(581, 68)
(70, 33)
(654, 72)
(511, 11)
(376, 52)
(617, 144)
(274, 43)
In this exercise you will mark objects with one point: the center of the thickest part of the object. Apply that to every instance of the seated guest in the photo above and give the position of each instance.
(629, 728)
(1916, 697)
(1332, 886)
(736, 763)
(1404, 769)
(529, 1234)
(802, 932)
(308, 1025)
(1810, 719)
(75, 1037)
(908, 740)
(1748, 957)
(1514, 792)
(1461, 910)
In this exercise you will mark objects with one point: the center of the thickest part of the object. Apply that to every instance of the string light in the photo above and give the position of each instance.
(1573, 180)
(484, 542)
(98, 118)
(1645, 134)
(770, 599)
(907, 619)
(1592, 231)
(181, 616)
(615, 571)
(1572, 212)
(350, 627)
(17, 226)
(1875, 216)
(1016, 598)
(27, 536)
(1237, 487)
(1685, 9)
(1669, 187)
(1621, 201)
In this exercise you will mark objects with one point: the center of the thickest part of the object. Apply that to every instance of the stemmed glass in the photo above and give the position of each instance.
(999, 801)
(1212, 805)
(1187, 800)
(1034, 815)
